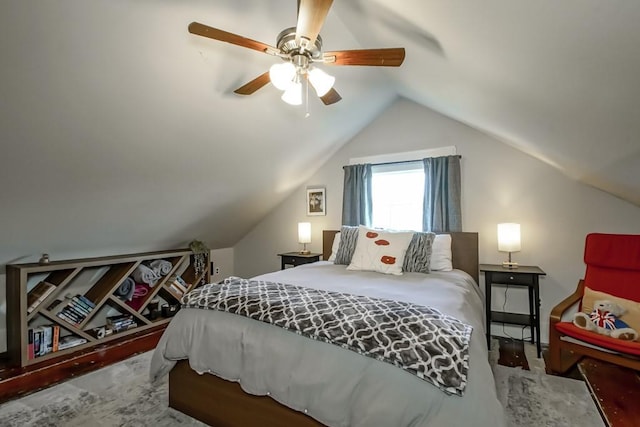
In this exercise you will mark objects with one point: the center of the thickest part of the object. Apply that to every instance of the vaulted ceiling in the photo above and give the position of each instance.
(118, 126)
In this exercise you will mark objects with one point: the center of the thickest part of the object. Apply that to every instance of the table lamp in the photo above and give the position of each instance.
(509, 241)
(304, 236)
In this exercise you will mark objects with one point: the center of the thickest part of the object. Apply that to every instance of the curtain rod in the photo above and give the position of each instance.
(407, 161)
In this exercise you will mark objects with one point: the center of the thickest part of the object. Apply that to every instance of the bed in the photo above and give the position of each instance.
(228, 370)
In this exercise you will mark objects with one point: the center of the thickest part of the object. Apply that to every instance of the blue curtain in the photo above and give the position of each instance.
(442, 190)
(356, 197)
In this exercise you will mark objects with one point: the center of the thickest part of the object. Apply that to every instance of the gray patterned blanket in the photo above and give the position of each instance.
(420, 340)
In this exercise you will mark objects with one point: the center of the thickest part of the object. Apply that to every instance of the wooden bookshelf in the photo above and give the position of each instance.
(96, 279)
(110, 281)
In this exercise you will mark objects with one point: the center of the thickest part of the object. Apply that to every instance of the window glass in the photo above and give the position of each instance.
(397, 195)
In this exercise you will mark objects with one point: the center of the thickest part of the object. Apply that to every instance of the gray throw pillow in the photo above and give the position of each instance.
(418, 256)
(348, 240)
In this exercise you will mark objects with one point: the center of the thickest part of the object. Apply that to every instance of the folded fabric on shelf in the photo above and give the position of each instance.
(161, 267)
(143, 274)
(126, 289)
(139, 295)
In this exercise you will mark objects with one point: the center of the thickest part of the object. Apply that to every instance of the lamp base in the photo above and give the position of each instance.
(510, 265)
(304, 252)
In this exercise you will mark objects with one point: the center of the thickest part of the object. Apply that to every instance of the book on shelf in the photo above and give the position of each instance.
(39, 293)
(124, 326)
(80, 302)
(56, 338)
(83, 301)
(181, 284)
(47, 340)
(87, 301)
(54, 304)
(70, 312)
(176, 290)
(80, 309)
(112, 320)
(69, 341)
(37, 337)
(42, 340)
(121, 322)
(62, 315)
(77, 309)
(30, 353)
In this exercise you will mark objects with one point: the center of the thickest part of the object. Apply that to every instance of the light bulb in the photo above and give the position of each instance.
(293, 94)
(321, 81)
(281, 75)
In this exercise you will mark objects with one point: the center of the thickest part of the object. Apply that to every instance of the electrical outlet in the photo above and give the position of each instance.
(216, 270)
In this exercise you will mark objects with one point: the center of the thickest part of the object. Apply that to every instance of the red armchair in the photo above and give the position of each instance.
(613, 267)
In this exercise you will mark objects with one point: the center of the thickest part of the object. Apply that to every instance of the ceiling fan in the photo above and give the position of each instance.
(300, 47)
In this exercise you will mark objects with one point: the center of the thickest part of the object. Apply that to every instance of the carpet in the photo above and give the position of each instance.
(533, 398)
(117, 395)
(538, 399)
(121, 395)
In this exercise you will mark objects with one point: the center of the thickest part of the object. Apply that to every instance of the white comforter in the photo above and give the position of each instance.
(336, 386)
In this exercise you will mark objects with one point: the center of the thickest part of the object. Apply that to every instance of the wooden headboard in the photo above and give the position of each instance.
(464, 250)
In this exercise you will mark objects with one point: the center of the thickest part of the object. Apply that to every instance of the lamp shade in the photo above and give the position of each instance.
(293, 94)
(509, 237)
(304, 232)
(281, 75)
(321, 81)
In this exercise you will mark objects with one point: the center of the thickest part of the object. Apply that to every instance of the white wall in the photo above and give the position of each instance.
(499, 184)
(222, 261)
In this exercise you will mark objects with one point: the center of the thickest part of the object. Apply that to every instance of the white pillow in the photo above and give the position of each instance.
(382, 251)
(441, 253)
(334, 247)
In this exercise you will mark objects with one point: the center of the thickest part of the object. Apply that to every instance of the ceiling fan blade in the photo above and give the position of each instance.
(254, 85)
(224, 36)
(311, 16)
(331, 97)
(391, 57)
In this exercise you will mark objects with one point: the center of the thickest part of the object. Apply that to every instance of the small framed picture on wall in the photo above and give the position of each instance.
(316, 202)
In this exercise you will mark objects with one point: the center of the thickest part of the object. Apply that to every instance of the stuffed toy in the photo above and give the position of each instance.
(604, 319)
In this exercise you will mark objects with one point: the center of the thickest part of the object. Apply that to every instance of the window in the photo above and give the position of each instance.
(397, 185)
(397, 196)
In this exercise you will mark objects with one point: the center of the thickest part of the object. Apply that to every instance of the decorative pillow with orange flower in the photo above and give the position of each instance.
(382, 251)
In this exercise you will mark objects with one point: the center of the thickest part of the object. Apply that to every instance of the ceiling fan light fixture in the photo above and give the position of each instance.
(282, 75)
(321, 81)
(293, 94)
(299, 47)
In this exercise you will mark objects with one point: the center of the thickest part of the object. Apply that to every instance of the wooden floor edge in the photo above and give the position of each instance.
(18, 382)
(614, 389)
(594, 396)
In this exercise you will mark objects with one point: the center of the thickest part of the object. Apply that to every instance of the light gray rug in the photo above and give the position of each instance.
(118, 395)
(121, 395)
(533, 398)
(537, 399)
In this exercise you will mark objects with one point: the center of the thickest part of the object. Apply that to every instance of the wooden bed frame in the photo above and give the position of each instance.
(218, 402)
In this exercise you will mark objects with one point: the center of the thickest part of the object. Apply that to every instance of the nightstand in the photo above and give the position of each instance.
(524, 275)
(296, 258)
